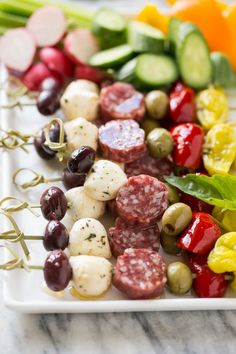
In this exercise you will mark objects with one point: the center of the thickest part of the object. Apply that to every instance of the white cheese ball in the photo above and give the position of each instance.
(91, 275)
(79, 133)
(89, 237)
(81, 205)
(79, 101)
(84, 85)
(104, 180)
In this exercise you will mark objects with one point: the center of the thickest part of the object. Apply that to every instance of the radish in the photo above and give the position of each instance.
(86, 72)
(80, 45)
(36, 74)
(17, 49)
(47, 25)
(56, 60)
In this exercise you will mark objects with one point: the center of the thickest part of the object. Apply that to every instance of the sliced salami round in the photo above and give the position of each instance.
(122, 141)
(121, 101)
(142, 200)
(147, 165)
(140, 274)
(123, 236)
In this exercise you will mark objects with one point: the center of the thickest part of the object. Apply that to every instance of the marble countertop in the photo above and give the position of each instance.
(128, 333)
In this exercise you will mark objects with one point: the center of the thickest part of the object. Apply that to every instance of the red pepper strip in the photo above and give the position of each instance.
(182, 106)
(201, 234)
(188, 139)
(196, 204)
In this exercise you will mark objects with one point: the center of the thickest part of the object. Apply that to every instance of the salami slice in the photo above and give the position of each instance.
(142, 200)
(121, 101)
(123, 236)
(140, 274)
(147, 165)
(122, 141)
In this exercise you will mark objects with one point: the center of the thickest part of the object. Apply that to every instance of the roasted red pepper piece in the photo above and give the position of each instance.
(188, 139)
(196, 262)
(196, 204)
(201, 234)
(209, 284)
(182, 108)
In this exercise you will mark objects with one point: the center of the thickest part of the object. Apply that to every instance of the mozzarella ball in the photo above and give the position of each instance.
(84, 85)
(81, 205)
(89, 237)
(104, 180)
(79, 133)
(91, 275)
(80, 103)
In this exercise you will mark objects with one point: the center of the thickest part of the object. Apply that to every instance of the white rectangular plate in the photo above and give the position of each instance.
(23, 291)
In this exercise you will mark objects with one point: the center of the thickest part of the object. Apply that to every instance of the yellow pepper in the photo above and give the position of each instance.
(219, 150)
(227, 218)
(223, 256)
(153, 16)
(233, 283)
(212, 107)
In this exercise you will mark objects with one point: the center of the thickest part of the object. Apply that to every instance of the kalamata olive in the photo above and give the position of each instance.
(169, 244)
(176, 218)
(81, 160)
(72, 180)
(46, 154)
(159, 143)
(54, 135)
(57, 271)
(53, 204)
(56, 236)
(148, 125)
(48, 102)
(50, 84)
(173, 195)
(157, 104)
(179, 278)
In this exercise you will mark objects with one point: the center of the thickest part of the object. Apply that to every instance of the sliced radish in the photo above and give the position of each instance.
(17, 49)
(86, 72)
(80, 45)
(47, 25)
(57, 61)
(36, 74)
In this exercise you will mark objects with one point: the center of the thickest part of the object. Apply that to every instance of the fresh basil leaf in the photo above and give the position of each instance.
(216, 190)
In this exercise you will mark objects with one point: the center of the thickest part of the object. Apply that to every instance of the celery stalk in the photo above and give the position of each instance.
(9, 20)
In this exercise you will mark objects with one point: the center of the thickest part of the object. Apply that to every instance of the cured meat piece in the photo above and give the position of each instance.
(140, 274)
(123, 236)
(122, 141)
(121, 101)
(142, 200)
(147, 165)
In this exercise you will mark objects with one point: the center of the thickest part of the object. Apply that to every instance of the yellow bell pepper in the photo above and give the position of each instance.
(153, 16)
(223, 256)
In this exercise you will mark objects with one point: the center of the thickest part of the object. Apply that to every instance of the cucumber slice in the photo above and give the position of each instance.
(111, 57)
(173, 30)
(126, 73)
(223, 74)
(155, 70)
(145, 38)
(193, 57)
(110, 28)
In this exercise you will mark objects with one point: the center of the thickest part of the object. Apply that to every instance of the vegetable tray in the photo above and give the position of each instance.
(24, 291)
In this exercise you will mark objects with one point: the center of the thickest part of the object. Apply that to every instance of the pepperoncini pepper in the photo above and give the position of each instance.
(219, 150)
(227, 218)
(212, 107)
(223, 256)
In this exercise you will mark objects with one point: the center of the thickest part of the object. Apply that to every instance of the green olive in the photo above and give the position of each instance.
(148, 125)
(179, 278)
(157, 104)
(160, 143)
(169, 244)
(176, 218)
(173, 195)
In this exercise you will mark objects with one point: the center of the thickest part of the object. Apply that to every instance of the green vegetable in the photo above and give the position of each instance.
(126, 72)
(157, 103)
(148, 125)
(111, 57)
(173, 30)
(179, 278)
(176, 218)
(216, 190)
(160, 143)
(145, 38)
(223, 74)
(11, 21)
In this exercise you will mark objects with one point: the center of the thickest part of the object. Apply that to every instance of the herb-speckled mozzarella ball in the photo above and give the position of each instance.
(89, 237)
(104, 180)
(81, 205)
(85, 85)
(79, 133)
(91, 275)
